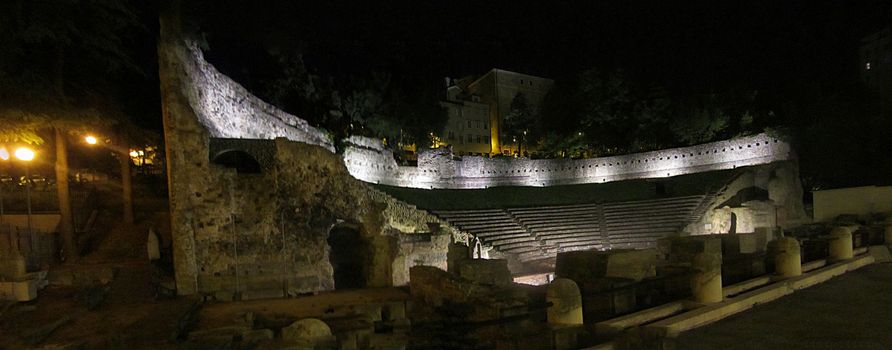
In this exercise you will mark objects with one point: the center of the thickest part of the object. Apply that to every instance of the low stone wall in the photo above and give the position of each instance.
(368, 161)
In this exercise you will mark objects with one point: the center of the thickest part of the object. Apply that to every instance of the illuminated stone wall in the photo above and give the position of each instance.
(440, 169)
(228, 110)
(263, 233)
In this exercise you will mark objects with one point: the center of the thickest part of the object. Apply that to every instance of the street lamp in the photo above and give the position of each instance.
(4, 155)
(90, 139)
(27, 155)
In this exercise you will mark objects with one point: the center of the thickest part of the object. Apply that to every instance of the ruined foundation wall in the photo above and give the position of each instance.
(265, 234)
(370, 162)
(782, 207)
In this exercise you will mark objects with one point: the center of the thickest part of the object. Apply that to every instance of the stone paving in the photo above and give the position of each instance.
(847, 312)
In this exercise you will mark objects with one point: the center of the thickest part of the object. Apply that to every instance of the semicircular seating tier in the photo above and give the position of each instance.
(533, 233)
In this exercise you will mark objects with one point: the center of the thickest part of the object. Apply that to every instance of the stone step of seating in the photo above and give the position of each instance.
(514, 236)
(467, 211)
(664, 209)
(557, 218)
(537, 244)
(658, 201)
(649, 215)
(551, 212)
(650, 207)
(565, 227)
(546, 221)
(563, 223)
(563, 241)
(476, 218)
(490, 226)
(573, 248)
(520, 249)
(660, 231)
(506, 240)
(646, 213)
(479, 218)
(517, 230)
(652, 230)
(497, 235)
(569, 233)
(644, 226)
(553, 207)
(534, 255)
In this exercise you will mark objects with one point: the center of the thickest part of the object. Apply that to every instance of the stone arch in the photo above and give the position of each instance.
(349, 255)
(241, 161)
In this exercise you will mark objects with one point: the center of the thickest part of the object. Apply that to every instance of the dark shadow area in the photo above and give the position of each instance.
(347, 257)
(241, 161)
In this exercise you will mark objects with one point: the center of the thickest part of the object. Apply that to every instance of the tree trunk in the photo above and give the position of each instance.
(66, 225)
(126, 181)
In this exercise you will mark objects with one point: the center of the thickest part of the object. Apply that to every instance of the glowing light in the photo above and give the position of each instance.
(134, 154)
(4, 154)
(24, 153)
(90, 139)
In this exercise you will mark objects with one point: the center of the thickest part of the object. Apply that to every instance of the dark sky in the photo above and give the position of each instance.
(683, 45)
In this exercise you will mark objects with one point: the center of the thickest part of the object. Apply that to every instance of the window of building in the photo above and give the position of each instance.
(461, 139)
(521, 81)
(451, 135)
(470, 138)
(485, 125)
(469, 123)
(478, 139)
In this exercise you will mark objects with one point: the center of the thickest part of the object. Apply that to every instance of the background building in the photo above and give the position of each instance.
(876, 65)
(468, 99)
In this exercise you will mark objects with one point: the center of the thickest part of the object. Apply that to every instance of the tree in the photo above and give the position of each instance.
(520, 123)
(63, 52)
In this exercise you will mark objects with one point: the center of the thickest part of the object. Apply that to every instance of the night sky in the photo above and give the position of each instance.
(799, 57)
(682, 45)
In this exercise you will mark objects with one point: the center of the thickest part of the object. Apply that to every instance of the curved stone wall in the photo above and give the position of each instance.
(369, 161)
(228, 110)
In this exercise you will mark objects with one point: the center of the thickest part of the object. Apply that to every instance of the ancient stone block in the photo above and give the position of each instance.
(566, 302)
(307, 330)
(18, 290)
(486, 271)
(586, 268)
(684, 249)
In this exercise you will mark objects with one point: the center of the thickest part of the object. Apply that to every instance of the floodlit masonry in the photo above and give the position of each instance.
(369, 161)
(228, 110)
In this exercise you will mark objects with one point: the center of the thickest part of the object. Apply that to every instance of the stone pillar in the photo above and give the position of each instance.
(840, 244)
(566, 302)
(787, 261)
(706, 283)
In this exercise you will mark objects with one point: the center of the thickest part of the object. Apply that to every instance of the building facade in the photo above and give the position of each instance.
(477, 108)
(876, 65)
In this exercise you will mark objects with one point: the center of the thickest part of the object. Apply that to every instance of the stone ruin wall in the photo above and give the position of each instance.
(228, 110)
(369, 161)
(265, 234)
(782, 208)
